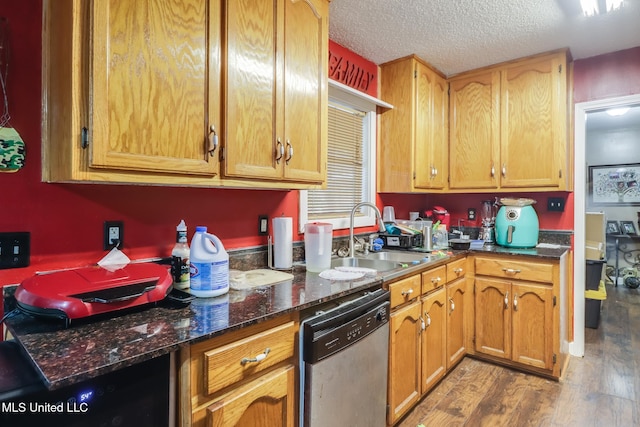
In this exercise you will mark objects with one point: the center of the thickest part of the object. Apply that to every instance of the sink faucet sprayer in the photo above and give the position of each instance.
(381, 227)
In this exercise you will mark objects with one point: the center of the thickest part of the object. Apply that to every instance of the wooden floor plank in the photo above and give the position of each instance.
(601, 389)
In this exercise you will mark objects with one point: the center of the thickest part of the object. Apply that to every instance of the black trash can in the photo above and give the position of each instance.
(593, 275)
(592, 312)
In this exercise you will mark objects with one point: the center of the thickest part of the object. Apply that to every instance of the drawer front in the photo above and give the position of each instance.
(434, 279)
(224, 366)
(404, 290)
(456, 269)
(516, 269)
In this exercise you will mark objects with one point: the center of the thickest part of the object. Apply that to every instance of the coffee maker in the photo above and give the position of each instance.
(488, 220)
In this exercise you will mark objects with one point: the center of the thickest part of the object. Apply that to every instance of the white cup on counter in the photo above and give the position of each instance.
(413, 216)
(389, 214)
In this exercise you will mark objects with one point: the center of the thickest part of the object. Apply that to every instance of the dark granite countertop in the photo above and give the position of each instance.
(91, 348)
(88, 349)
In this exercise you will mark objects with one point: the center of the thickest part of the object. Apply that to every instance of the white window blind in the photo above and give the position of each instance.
(346, 163)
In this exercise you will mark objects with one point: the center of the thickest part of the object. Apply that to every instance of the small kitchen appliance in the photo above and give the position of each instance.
(488, 219)
(84, 292)
(438, 213)
(517, 223)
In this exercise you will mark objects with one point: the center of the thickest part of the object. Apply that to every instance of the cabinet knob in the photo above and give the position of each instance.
(458, 270)
(435, 280)
(213, 140)
(406, 293)
(260, 357)
(289, 151)
(279, 150)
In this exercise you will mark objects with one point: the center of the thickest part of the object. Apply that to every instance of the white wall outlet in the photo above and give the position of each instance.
(113, 234)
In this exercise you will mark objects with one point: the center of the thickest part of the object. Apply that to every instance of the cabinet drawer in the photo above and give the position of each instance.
(433, 279)
(223, 366)
(515, 269)
(404, 290)
(456, 269)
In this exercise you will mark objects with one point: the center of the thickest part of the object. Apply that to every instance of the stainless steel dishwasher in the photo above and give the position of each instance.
(343, 363)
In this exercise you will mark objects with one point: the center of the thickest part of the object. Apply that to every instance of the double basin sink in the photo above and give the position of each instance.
(383, 261)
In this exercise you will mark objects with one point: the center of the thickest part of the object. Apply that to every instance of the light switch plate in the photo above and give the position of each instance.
(15, 249)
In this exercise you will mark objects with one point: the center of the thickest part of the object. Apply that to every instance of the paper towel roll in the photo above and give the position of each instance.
(282, 242)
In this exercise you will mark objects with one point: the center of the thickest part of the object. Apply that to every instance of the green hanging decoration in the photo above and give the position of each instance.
(12, 148)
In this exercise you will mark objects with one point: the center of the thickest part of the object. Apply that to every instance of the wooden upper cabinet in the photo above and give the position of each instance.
(136, 100)
(149, 82)
(534, 124)
(134, 92)
(412, 154)
(509, 126)
(276, 90)
(474, 139)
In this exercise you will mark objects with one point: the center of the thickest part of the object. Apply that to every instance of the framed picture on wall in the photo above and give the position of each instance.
(627, 227)
(615, 185)
(613, 227)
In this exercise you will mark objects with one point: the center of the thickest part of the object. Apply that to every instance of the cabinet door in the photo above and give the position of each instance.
(434, 338)
(305, 90)
(268, 401)
(474, 138)
(404, 360)
(533, 114)
(440, 132)
(493, 317)
(154, 85)
(458, 309)
(430, 139)
(532, 325)
(251, 90)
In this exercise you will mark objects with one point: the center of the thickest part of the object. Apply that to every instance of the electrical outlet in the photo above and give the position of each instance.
(555, 204)
(113, 234)
(263, 225)
(15, 249)
(471, 214)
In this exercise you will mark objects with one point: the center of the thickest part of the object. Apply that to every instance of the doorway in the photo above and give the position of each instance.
(580, 202)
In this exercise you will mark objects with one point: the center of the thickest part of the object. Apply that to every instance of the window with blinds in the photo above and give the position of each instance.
(346, 166)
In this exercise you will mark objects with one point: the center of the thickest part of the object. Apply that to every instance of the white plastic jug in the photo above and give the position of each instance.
(317, 246)
(209, 265)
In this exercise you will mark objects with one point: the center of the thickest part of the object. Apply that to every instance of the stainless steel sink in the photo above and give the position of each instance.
(403, 257)
(376, 264)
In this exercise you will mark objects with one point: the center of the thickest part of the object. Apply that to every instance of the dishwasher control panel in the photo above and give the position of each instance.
(337, 329)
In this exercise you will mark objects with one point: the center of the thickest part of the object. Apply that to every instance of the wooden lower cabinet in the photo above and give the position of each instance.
(404, 360)
(429, 332)
(268, 401)
(459, 314)
(223, 383)
(519, 320)
(515, 321)
(434, 338)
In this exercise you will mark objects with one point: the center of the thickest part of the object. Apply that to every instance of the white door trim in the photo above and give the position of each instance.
(576, 348)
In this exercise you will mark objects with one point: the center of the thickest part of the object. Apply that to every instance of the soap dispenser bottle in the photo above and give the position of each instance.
(180, 255)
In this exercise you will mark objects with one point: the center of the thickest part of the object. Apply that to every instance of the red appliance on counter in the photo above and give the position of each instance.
(84, 292)
(438, 213)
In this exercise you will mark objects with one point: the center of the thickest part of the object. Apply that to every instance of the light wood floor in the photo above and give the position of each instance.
(601, 389)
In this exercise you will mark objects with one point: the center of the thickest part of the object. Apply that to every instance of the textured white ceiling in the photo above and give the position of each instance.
(460, 35)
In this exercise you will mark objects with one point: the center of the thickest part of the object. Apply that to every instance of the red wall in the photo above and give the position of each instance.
(607, 76)
(66, 220)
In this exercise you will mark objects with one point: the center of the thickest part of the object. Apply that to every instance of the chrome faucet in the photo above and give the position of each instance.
(381, 227)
